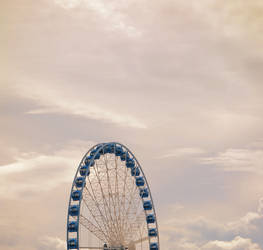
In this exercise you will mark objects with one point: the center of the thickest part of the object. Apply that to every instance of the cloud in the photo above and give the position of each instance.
(51, 243)
(183, 152)
(68, 4)
(238, 160)
(184, 232)
(54, 101)
(111, 13)
(238, 18)
(260, 206)
(32, 173)
(234, 19)
(238, 243)
(7, 152)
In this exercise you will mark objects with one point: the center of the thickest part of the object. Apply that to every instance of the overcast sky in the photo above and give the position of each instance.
(178, 82)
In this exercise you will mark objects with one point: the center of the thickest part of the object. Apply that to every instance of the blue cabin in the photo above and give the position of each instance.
(89, 161)
(144, 193)
(84, 170)
(147, 205)
(93, 152)
(79, 181)
(109, 149)
(150, 218)
(118, 151)
(152, 232)
(73, 226)
(100, 149)
(72, 243)
(76, 195)
(74, 210)
(139, 181)
(97, 156)
(130, 163)
(154, 246)
(135, 171)
(112, 148)
(125, 156)
(106, 149)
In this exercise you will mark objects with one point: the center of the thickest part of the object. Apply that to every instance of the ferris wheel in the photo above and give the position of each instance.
(110, 204)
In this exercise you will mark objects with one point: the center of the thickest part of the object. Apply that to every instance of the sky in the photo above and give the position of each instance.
(178, 82)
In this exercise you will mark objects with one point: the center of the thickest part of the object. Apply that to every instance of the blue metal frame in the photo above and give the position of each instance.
(97, 148)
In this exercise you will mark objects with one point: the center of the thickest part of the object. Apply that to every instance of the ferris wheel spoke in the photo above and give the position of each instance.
(108, 188)
(123, 196)
(125, 211)
(132, 228)
(118, 192)
(129, 209)
(105, 203)
(111, 197)
(140, 240)
(92, 228)
(138, 223)
(96, 218)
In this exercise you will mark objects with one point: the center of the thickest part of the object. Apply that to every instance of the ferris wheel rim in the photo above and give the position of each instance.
(98, 147)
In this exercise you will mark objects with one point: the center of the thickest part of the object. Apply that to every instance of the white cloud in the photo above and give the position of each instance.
(33, 172)
(52, 243)
(238, 243)
(54, 101)
(260, 206)
(238, 160)
(245, 224)
(112, 13)
(236, 19)
(182, 152)
(68, 4)
(188, 232)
